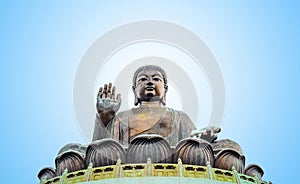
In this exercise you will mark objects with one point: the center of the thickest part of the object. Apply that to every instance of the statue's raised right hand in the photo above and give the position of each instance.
(107, 103)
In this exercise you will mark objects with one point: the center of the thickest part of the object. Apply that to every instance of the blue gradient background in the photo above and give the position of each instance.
(256, 44)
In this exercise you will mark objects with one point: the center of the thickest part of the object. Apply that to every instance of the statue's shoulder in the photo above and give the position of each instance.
(176, 111)
(179, 115)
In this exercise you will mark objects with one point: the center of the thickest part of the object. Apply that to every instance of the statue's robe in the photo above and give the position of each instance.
(173, 125)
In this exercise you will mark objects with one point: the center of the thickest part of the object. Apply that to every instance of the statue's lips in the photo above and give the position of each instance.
(149, 88)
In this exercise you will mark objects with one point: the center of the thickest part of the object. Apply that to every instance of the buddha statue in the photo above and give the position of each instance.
(151, 116)
(149, 131)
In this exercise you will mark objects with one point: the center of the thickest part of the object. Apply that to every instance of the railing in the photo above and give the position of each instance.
(152, 170)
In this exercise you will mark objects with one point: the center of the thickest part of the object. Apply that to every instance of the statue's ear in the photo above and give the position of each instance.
(163, 99)
(136, 100)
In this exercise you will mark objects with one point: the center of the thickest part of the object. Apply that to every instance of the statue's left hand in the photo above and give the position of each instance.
(209, 134)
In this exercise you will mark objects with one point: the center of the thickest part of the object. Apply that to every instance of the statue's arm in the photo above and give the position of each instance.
(186, 126)
(100, 130)
(188, 129)
(107, 106)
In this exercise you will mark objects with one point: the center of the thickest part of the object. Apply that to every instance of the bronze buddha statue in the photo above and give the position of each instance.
(150, 130)
(150, 117)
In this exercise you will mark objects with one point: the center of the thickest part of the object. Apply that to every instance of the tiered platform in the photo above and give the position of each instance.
(153, 173)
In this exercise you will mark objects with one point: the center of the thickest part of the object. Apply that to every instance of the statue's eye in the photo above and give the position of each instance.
(142, 79)
(157, 79)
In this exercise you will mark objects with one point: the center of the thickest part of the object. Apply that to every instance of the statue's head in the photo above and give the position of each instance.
(150, 84)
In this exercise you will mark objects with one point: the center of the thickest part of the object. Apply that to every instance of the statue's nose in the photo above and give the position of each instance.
(149, 83)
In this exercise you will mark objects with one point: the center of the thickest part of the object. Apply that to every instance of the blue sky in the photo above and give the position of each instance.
(255, 43)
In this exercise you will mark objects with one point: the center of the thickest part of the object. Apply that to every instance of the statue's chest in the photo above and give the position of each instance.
(149, 122)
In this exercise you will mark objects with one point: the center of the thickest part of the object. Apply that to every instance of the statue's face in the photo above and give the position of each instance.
(149, 86)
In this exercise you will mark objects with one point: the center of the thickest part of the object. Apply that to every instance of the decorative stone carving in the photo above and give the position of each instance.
(104, 152)
(228, 158)
(194, 151)
(152, 146)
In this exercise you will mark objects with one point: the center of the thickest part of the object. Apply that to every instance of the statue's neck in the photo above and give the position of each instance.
(150, 104)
